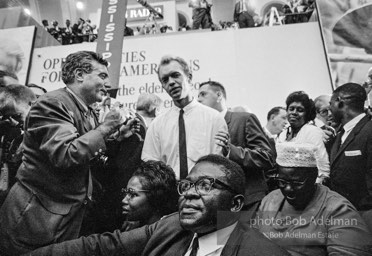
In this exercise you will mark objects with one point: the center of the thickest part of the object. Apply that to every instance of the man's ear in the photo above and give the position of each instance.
(79, 75)
(189, 79)
(237, 203)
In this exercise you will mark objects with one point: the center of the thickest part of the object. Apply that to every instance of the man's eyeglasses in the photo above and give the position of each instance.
(323, 112)
(202, 186)
(294, 184)
(131, 192)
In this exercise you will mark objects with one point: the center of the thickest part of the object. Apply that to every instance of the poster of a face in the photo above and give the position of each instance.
(15, 51)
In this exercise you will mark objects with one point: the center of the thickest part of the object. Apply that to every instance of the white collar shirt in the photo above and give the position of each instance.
(349, 126)
(82, 103)
(212, 244)
(201, 125)
(269, 134)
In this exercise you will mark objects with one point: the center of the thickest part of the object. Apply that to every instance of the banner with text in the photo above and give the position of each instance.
(111, 34)
(257, 73)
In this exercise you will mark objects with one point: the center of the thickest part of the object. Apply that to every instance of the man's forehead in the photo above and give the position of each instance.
(204, 169)
(282, 112)
(205, 88)
(294, 173)
(170, 67)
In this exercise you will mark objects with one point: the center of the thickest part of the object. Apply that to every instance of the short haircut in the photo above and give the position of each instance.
(36, 86)
(354, 95)
(15, 93)
(4, 73)
(234, 173)
(318, 101)
(165, 60)
(303, 98)
(147, 102)
(216, 86)
(160, 180)
(274, 111)
(79, 60)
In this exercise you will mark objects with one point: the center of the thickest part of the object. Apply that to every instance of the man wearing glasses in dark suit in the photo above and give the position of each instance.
(207, 222)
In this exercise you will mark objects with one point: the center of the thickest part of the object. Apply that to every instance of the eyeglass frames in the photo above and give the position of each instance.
(131, 192)
(202, 186)
(295, 184)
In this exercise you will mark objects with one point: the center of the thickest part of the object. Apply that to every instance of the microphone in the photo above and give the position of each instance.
(150, 8)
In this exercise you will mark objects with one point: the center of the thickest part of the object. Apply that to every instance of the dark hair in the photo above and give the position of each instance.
(274, 111)
(165, 60)
(354, 95)
(17, 93)
(216, 86)
(160, 179)
(79, 60)
(301, 96)
(234, 173)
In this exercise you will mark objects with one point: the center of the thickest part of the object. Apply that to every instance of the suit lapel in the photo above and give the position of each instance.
(234, 240)
(349, 138)
(84, 118)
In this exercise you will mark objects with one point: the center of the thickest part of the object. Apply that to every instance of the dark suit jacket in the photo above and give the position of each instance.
(351, 166)
(53, 178)
(163, 238)
(124, 158)
(251, 150)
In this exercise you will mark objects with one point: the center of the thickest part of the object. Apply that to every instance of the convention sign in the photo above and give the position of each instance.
(258, 74)
(111, 34)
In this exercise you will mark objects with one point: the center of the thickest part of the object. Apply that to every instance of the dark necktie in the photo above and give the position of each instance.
(182, 146)
(194, 247)
(338, 138)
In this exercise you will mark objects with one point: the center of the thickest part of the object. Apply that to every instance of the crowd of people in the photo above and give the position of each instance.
(198, 179)
(244, 16)
(81, 31)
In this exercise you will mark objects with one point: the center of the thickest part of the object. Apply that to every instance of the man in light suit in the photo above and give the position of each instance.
(54, 187)
(351, 153)
(245, 143)
(207, 223)
(243, 14)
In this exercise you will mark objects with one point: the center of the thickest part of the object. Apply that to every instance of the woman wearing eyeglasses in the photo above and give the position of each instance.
(300, 111)
(151, 193)
(306, 218)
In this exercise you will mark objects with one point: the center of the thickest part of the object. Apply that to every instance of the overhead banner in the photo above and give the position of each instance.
(347, 27)
(258, 74)
(111, 34)
(142, 13)
(16, 46)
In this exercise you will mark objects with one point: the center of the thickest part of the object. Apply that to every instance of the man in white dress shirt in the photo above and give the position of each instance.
(201, 123)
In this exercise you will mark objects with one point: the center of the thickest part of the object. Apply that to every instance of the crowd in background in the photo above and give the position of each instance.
(75, 165)
(245, 16)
